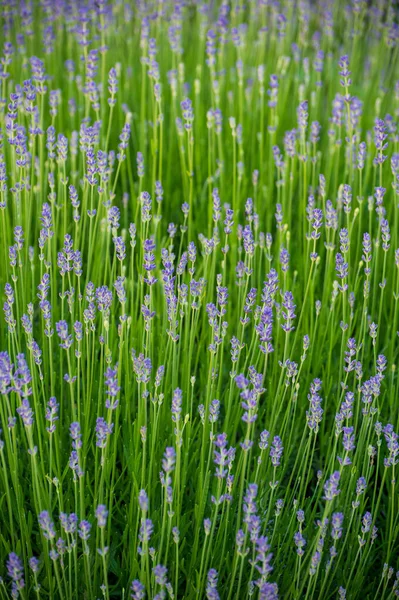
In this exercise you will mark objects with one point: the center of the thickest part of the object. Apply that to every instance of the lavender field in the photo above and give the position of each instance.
(199, 277)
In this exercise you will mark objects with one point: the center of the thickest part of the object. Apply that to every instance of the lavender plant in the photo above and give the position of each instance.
(199, 349)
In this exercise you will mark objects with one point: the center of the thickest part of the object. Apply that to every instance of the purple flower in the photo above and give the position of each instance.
(223, 456)
(120, 289)
(361, 486)
(342, 269)
(385, 234)
(46, 525)
(315, 128)
(288, 312)
(188, 113)
(146, 529)
(159, 376)
(34, 564)
(248, 306)
(76, 435)
(50, 144)
(145, 200)
(240, 538)
(149, 261)
(302, 115)
(112, 86)
(236, 347)
(101, 515)
(158, 192)
(211, 586)
(361, 155)
(169, 459)
(120, 247)
(53, 554)
(177, 405)
(315, 413)
(74, 464)
(143, 500)
(276, 451)
(336, 524)
(331, 486)
(249, 504)
(380, 136)
(268, 591)
(104, 299)
(264, 440)
(284, 260)
(214, 409)
(112, 388)
(69, 523)
(348, 439)
(228, 222)
(84, 530)
(290, 138)
(264, 329)
(366, 522)
(137, 590)
(15, 570)
(355, 107)
(103, 430)
(314, 563)
(176, 534)
(62, 331)
(12, 253)
(26, 413)
(263, 557)
(124, 141)
(22, 377)
(250, 396)
(344, 240)
(113, 217)
(300, 543)
(272, 92)
(19, 237)
(142, 367)
(344, 71)
(347, 198)
(65, 258)
(391, 439)
(160, 573)
(78, 329)
(140, 164)
(248, 240)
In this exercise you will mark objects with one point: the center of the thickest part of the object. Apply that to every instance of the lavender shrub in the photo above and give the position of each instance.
(199, 245)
